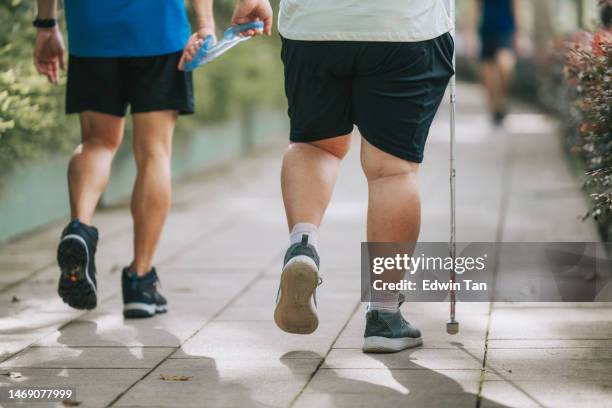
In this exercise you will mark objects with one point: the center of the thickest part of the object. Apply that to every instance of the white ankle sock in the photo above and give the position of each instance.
(304, 228)
(384, 301)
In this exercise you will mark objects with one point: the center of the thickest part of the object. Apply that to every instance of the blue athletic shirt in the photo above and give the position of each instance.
(126, 28)
(497, 17)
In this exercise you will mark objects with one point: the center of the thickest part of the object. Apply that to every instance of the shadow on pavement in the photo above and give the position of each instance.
(423, 387)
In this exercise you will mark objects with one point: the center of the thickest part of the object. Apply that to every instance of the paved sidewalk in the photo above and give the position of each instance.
(219, 263)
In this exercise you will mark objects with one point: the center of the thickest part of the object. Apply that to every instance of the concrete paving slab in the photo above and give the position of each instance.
(87, 357)
(411, 359)
(94, 387)
(214, 384)
(255, 340)
(549, 322)
(393, 388)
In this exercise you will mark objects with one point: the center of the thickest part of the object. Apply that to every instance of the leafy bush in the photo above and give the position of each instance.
(31, 119)
(588, 69)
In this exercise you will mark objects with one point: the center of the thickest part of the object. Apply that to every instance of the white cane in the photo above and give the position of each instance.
(452, 326)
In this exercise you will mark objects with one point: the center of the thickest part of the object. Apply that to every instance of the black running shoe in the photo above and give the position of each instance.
(296, 300)
(140, 295)
(76, 259)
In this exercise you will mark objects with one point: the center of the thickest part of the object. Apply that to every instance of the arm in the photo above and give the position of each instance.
(521, 41)
(205, 20)
(470, 33)
(205, 26)
(49, 45)
(516, 11)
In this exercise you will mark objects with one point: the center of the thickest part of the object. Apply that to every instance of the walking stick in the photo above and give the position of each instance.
(452, 326)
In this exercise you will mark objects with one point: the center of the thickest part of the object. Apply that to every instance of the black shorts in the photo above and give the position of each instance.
(390, 90)
(109, 85)
(493, 42)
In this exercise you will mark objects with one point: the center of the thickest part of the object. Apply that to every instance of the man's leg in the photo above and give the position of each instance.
(394, 216)
(152, 189)
(88, 175)
(90, 165)
(505, 60)
(492, 82)
(394, 208)
(308, 178)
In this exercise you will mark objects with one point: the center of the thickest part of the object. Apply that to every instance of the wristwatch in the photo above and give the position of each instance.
(44, 23)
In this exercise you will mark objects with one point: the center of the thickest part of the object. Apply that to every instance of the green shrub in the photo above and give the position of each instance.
(31, 119)
(589, 72)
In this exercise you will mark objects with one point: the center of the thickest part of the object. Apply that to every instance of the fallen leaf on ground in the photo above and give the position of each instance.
(71, 403)
(11, 374)
(15, 299)
(165, 377)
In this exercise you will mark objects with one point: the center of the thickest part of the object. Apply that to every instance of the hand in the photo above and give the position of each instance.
(522, 44)
(253, 10)
(49, 53)
(195, 43)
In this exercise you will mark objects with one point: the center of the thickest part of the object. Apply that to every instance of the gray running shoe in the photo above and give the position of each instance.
(296, 300)
(389, 332)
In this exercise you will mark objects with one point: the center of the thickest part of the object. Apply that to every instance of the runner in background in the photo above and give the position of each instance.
(497, 23)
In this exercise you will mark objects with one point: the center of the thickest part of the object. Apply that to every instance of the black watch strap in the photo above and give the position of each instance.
(44, 23)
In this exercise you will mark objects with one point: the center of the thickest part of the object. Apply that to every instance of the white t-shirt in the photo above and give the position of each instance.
(363, 20)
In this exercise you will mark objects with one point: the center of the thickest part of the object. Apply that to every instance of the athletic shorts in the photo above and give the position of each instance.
(390, 90)
(146, 84)
(493, 42)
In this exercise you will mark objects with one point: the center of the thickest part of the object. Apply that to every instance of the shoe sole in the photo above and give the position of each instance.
(294, 312)
(138, 310)
(75, 287)
(376, 344)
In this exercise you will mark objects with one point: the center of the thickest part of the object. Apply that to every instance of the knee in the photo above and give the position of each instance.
(378, 165)
(147, 153)
(101, 135)
(337, 146)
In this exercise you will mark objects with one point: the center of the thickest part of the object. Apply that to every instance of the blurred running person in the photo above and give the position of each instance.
(383, 66)
(497, 22)
(123, 53)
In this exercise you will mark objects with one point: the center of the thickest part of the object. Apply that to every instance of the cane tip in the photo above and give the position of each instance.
(452, 327)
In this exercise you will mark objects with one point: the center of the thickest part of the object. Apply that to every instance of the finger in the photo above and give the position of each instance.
(181, 64)
(268, 25)
(54, 72)
(38, 66)
(61, 60)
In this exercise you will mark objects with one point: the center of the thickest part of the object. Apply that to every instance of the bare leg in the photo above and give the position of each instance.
(90, 165)
(505, 61)
(492, 83)
(394, 207)
(308, 177)
(152, 189)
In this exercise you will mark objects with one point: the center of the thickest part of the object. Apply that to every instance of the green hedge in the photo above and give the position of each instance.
(32, 123)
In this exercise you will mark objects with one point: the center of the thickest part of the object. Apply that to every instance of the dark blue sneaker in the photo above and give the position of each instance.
(76, 259)
(387, 332)
(140, 295)
(296, 299)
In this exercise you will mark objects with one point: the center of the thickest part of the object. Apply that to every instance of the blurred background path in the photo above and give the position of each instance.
(219, 263)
